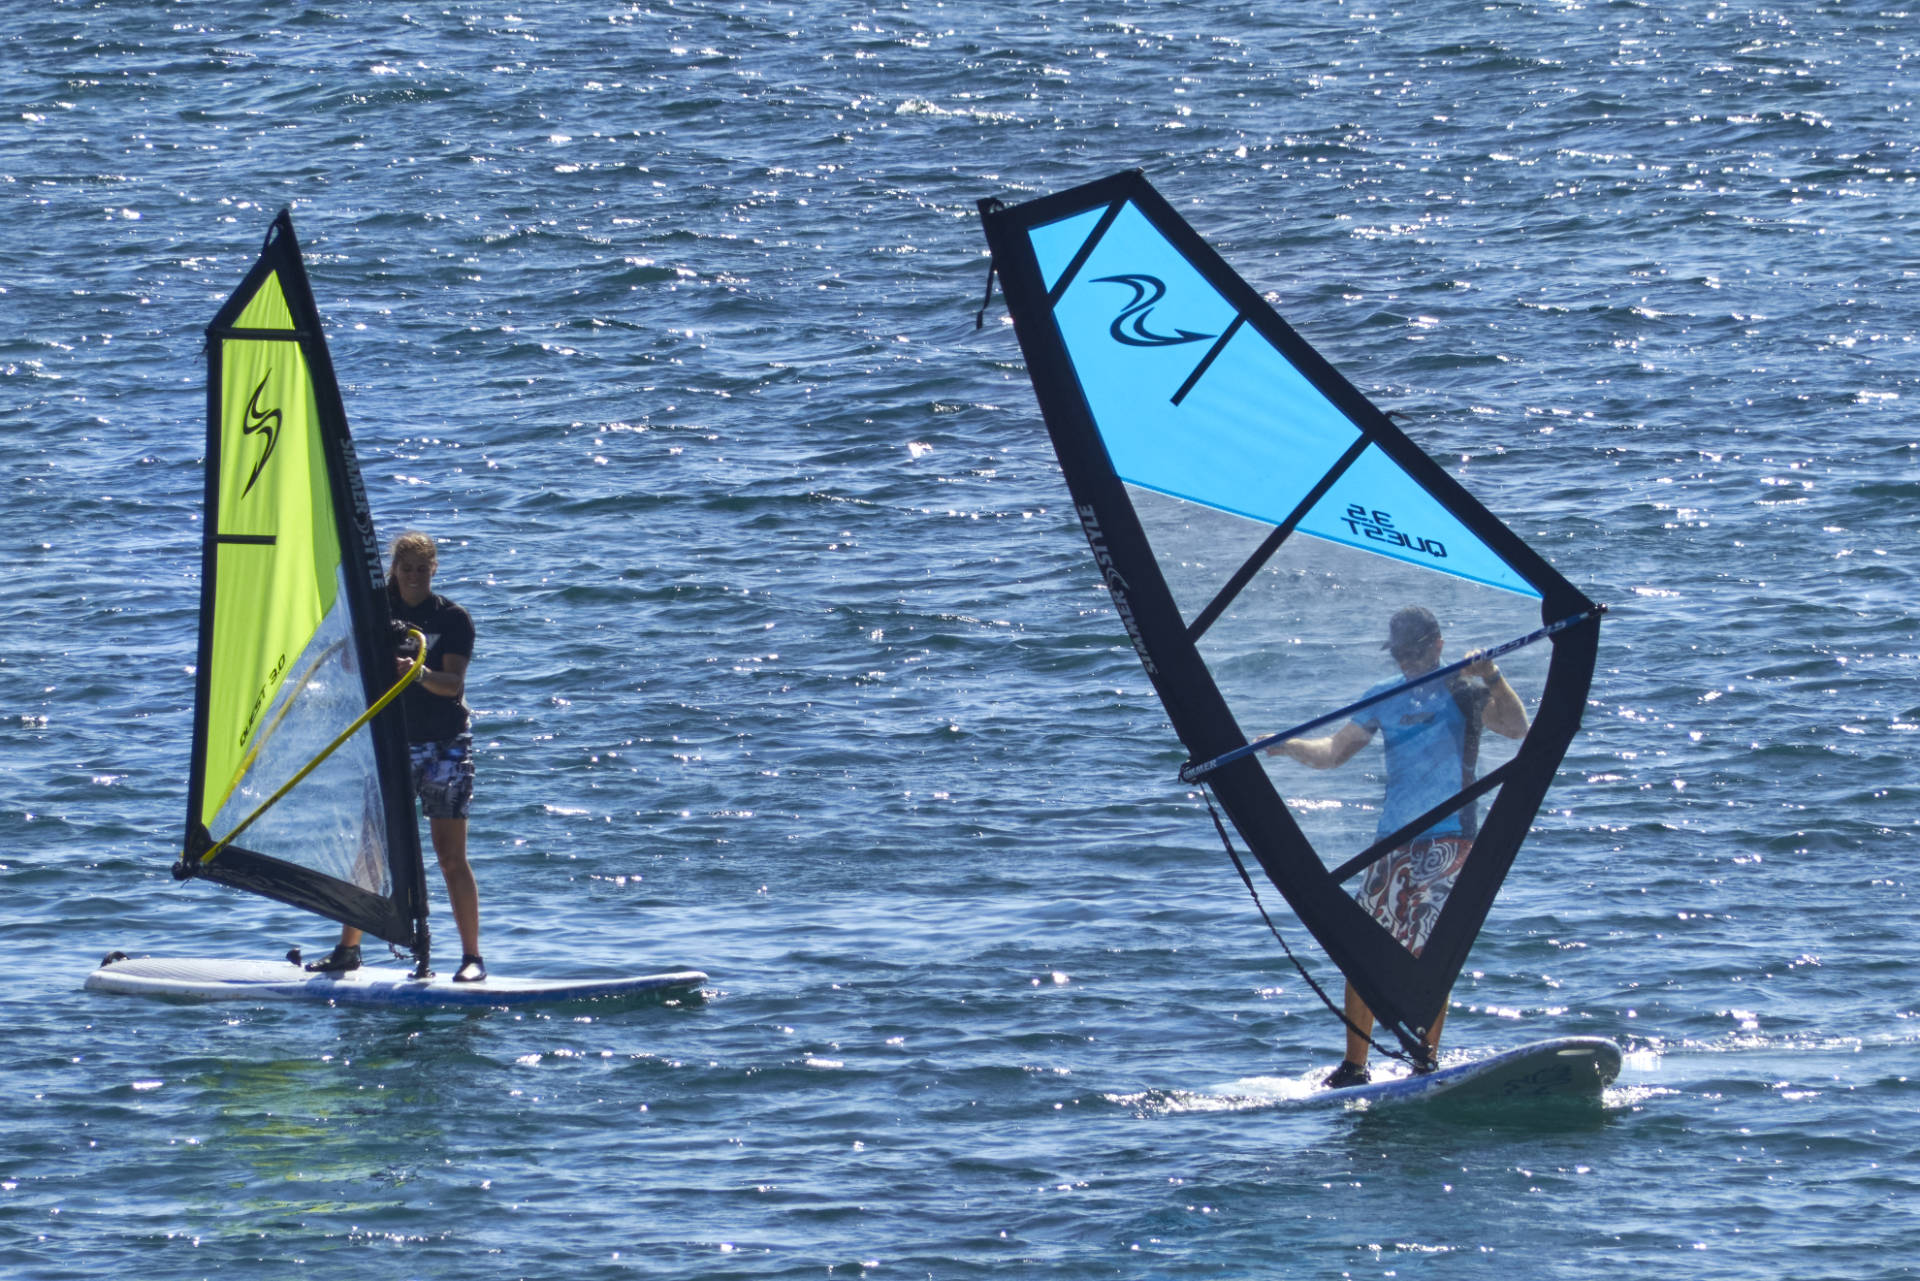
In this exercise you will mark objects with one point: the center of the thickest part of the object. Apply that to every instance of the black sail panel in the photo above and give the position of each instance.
(294, 643)
(1258, 523)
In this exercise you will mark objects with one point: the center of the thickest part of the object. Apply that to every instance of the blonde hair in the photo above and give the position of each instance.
(412, 543)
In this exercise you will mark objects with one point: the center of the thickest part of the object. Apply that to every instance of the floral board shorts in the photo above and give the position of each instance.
(443, 776)
(1406, 889)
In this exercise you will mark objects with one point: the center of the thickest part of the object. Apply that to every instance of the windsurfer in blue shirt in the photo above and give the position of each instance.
(439, 741)
(1431, 738)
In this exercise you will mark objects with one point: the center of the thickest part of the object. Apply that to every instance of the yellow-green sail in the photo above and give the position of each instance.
(270, 595)
(293, 630)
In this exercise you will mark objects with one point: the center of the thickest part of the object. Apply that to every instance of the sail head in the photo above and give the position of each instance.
(1259, 522)
(294, 641)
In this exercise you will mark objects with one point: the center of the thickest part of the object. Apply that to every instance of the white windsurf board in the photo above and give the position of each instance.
(209, 979)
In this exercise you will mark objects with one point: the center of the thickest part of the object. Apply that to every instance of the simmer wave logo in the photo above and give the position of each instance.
(1130, 326)
(260, 422)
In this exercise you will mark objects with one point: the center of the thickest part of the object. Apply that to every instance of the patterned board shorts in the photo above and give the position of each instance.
(1405, 889)
(443, 776)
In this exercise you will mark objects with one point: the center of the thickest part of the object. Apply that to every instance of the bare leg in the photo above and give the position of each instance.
(1433, 1033)
(1362, 1020)
(463, 893)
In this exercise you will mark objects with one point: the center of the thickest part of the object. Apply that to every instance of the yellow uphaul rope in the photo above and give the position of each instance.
(412, 674)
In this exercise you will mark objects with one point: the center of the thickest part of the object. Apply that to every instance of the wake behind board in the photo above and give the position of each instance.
(1565, 1068)
(208, 979)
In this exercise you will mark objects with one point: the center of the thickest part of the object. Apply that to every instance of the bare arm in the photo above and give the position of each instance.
(449, 682)
(1325, 753)
(1505, 714)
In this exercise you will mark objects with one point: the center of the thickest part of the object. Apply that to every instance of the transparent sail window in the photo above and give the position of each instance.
(333, 821)
(1306, 636)
(1405, 886)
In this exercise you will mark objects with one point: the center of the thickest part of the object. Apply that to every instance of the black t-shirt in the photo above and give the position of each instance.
(449, 630)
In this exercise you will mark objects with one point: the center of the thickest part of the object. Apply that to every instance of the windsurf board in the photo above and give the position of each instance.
(1572, 1067)
(209, 979)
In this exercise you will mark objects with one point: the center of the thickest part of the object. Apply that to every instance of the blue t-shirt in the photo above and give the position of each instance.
(1425, 735)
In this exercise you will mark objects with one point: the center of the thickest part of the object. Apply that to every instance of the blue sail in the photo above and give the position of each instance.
(1194, 403)
(1259, 523)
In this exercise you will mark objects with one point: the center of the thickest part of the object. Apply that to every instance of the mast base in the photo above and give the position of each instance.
(422, 949)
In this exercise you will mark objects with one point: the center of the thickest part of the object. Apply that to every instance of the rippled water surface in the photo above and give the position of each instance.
(793, 667)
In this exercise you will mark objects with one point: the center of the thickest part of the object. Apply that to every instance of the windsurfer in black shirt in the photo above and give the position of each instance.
(439, 740)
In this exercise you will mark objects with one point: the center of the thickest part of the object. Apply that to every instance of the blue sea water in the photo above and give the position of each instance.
(793, 666)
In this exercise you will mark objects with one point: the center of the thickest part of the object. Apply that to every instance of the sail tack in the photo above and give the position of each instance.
(1258, 523)
(293, 629)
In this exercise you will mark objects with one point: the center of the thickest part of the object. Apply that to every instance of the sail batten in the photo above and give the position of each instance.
(1257, 520)
(294, 643)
